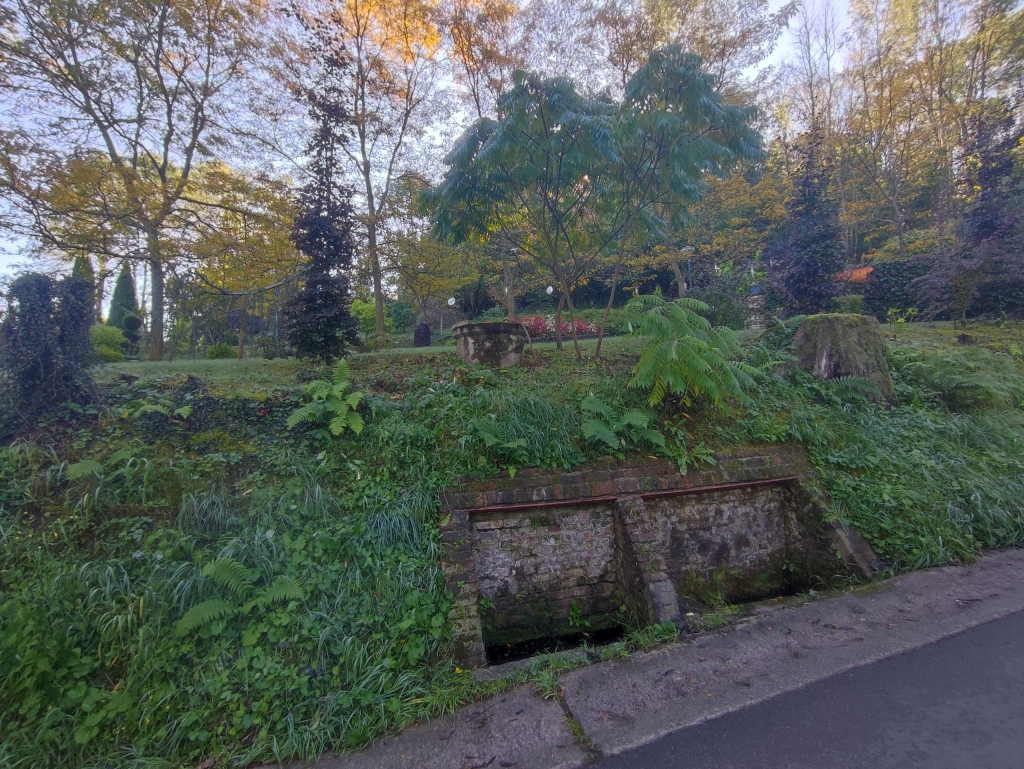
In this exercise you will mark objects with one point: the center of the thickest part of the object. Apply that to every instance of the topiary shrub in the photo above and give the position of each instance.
(107, 342)
(44, 347)
(421, 337)
(131, 327)
(221, 352)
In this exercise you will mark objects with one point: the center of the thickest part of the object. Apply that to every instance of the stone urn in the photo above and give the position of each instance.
(492, 344)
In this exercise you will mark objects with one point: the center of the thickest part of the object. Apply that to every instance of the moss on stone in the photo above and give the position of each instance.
(836, 345)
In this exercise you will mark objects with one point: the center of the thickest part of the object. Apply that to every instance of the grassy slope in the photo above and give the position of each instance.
(226, 503)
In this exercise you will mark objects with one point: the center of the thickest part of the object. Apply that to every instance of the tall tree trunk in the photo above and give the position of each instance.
(371, 247)
(611, 295)
(898, 212)
(510, 294)
(558, 322)
(156, 320)
(101, 280)
(243, 321)
(680, 280)
(378, 281)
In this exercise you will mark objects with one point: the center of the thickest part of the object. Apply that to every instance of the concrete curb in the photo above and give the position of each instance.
(778, 647)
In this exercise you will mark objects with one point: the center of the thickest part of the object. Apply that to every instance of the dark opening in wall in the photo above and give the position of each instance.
(511, 652)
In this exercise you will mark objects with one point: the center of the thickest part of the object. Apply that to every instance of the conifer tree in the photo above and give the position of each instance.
(806, 264)
(318, 319)
(123, 302)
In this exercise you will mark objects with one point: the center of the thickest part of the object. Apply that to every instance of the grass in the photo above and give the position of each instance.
(324, 624)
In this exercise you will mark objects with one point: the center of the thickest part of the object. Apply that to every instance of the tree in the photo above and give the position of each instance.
(319, 323)
(672, 129)
(731, 36)
(488, 45)
(82, 269)
(124, 301)
(241, 246)
(391, 89)
(807, 263)
(532, 174)
(44, 347)
(148, 84)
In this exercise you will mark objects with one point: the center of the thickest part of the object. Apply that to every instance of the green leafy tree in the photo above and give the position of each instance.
(807, 263)
(532, 174)
(150, 86)
(673, 128)
(684, 355)
(319, 321)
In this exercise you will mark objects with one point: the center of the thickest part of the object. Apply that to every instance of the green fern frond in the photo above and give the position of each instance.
(342, 374)
(594, 405)
(595, 429)
(653, 437)
(305, 413)
(636, 418)
(319, 390)
(203, 614)
(281, 590)
(228, 573)
(853, 387)
(355, 422)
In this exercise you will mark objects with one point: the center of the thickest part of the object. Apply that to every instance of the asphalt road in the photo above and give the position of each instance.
(957, 703)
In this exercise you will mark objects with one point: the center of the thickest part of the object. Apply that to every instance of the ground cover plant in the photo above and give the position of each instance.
(231, 588)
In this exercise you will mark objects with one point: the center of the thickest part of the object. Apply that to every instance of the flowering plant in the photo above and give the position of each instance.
(539, 325)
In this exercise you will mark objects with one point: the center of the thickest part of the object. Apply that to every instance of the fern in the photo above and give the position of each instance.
(202, 614)
(331, 404)
(684, 355)
(632, 426)
(854, 388)
(283, 589)
(230, 574)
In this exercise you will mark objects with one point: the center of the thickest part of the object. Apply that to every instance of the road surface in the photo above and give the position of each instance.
(956, 703)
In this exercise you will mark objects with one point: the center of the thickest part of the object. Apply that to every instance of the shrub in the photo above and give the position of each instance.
(108, 343)
(330, 403)
(539, 325)
(852, 303)
(221, 351)
(421, 337)
(401, 315)
(366, 315)
(493, 313)
(890, 285)
(618, 320)
(44, 346)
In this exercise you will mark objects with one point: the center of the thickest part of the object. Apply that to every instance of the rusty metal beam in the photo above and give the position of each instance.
(517, 507)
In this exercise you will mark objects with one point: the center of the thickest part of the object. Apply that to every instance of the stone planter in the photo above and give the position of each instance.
(492, 344)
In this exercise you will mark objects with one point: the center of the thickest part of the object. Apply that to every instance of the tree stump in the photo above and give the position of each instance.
(837, 345)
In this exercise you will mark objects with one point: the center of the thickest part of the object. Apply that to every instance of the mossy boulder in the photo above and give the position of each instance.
(836, 345)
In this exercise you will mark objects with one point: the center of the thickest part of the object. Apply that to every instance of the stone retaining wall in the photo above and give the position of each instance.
(540, 554)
